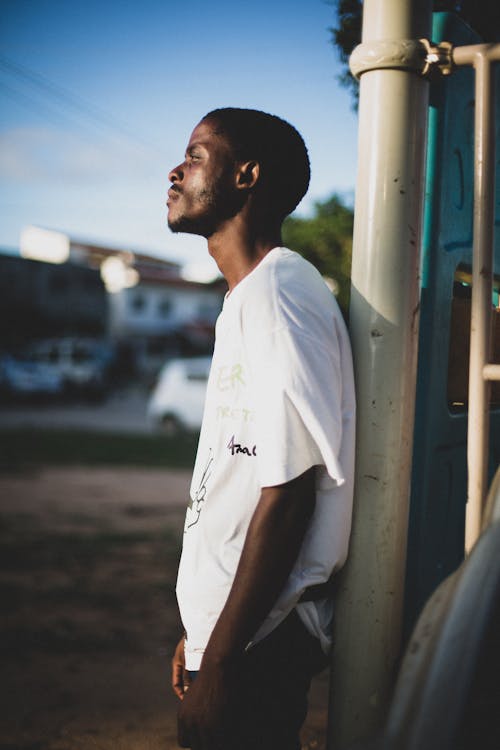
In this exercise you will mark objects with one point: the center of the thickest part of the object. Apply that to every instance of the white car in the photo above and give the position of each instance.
(177, 401)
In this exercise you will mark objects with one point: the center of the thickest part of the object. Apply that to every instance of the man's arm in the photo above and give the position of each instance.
(272, 544)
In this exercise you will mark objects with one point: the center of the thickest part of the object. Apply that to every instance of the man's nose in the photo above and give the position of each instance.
(176, 174)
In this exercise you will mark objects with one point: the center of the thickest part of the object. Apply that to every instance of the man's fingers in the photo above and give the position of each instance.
(186, 683)
(178, 684)
(179, 690)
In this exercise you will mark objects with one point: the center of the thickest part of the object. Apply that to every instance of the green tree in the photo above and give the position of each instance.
(346, 35)
(325, 240)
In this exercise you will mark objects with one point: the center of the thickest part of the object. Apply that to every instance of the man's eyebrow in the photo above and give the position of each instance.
(193, 146)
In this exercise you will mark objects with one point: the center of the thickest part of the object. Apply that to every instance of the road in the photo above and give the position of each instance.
(92, 554)
(123, 411)
(90, 619)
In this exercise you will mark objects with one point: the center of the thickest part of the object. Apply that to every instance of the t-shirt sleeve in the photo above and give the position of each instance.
(297, 391)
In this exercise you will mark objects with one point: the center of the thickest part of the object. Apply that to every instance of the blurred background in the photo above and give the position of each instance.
(106, 331)
(97, 104)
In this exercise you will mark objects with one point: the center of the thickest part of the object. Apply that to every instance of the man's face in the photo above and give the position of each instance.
(203, 191)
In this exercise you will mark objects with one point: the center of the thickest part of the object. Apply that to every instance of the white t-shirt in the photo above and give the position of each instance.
(280, 399)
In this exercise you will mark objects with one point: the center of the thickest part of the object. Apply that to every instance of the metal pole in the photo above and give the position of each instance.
(384, 331)
(482, 280)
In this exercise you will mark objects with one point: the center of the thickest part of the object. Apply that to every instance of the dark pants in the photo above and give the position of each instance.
(272, 688)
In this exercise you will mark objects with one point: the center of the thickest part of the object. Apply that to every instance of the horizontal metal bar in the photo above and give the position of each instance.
(469, 54)
(417, 55)
(491, 372)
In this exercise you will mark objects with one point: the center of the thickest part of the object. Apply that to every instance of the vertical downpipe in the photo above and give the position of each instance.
(384, 331)
(482, 282)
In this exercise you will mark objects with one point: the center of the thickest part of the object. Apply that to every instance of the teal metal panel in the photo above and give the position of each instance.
(439, 480)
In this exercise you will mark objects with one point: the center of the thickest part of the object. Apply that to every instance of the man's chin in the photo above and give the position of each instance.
(172, 225)
(186, 226)
(177, 225)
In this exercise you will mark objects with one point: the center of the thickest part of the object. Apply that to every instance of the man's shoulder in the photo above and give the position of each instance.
(299, 283)
(287, 291)
(281, 269)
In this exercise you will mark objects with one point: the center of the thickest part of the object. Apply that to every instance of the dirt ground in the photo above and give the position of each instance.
(89, 620)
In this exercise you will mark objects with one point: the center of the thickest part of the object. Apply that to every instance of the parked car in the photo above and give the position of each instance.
(83, 364)
(177, 400)
(21, 378)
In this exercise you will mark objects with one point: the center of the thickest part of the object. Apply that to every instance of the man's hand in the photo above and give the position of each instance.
(208, 713)
(180, 678)
(206, 718)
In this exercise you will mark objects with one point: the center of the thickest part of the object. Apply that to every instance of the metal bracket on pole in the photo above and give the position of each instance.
(415, 55)
(439, 58)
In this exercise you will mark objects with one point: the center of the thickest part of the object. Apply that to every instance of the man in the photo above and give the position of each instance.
(269, 517)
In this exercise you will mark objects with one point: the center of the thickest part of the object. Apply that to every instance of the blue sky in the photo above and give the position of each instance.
(98, 98)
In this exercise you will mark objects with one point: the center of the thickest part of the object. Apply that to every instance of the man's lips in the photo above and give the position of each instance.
(174, 191)
(173, 194)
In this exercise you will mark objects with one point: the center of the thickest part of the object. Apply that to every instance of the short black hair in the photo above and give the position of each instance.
(276, 145)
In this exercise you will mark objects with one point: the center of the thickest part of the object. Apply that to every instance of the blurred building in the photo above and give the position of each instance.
(141, 304)
(39, 300)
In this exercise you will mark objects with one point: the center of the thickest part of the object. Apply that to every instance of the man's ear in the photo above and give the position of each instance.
(247, 175)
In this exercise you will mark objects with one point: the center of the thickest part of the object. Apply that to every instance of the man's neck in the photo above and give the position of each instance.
(238, 252)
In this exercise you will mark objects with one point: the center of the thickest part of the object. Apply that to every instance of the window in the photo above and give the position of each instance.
(138, 302)
(165, 307)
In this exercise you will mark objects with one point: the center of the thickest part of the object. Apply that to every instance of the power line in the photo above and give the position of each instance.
(72, 104)
(28, 102)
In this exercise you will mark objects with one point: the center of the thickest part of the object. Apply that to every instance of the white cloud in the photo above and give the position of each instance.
(37, 155)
